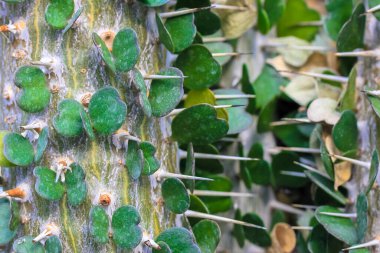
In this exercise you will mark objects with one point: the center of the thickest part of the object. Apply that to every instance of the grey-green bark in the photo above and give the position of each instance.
(79, 70)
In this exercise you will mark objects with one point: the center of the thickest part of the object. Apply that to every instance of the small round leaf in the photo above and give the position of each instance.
(18, 149)
(175, 195)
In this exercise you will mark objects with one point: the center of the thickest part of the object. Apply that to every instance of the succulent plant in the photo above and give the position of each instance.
(127, 126)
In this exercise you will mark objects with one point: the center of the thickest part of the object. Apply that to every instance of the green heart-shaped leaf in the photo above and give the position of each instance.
(201, 69)
(25, 244)
(134, 159)
(165, 94)
(154, 3)
(374, 169)
(326, 185)
(45, 186)
(139, 83)
(125, 50)
(260, 171)
(274, 9)
(107, 111)
(179, 240)
(201, 124)
(75, 185)
(326, 160)
(126, 232)
(339, 11)
(35, 94)
(176, 33)
(238, 118)
(238, 231)
(351, 35)
(53, 245)
(3, 160)
(58, 13)
(345, 133)
(339, 227)
(284, 161)
(206, 21)
(151, 164)
(321, 241)
(18, 149)
(267, 86)
(99, 224)
(207, 235)
(256, 235)
(219, 183)
(296, 12)
(348, 101)
(362, 214)
(175, 195)
(87, 126)
(42, 143)
(68, 121)
(7, 232)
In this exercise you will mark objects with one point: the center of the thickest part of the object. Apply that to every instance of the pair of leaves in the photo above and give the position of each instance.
(58, 13)
(26, 244)
(201, 124)
(140, 159)
(257, 172)
(106, 114)
(74, 185)
(126, 232)
(125, 50)
(35, 94)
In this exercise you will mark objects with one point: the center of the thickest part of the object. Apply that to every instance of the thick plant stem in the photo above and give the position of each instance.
(78, 69)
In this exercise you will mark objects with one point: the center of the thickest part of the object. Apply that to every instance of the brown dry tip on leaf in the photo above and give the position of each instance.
(283, 239)
(108, 37)
(342, 173)
(105, 199)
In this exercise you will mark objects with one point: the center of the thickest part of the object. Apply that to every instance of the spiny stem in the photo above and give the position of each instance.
(373, 9)
(305, 206)
(164, 174)
(230, 54)
(183, 154)
(183, 12)
(298, 47)
(307, 167)
(374, 242)
(229, 7)
(302, 228)
(162, 77)
(353, 161)
(214, 39)
(274, 204)
(340, 79)
(293, 173)
(369, 53)
(176, 111)
(343, 215)
(296, 149)
(291, 121)
(223, 194)
(195, 214)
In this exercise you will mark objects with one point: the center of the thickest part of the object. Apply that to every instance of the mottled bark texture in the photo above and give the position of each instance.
(77, 70)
